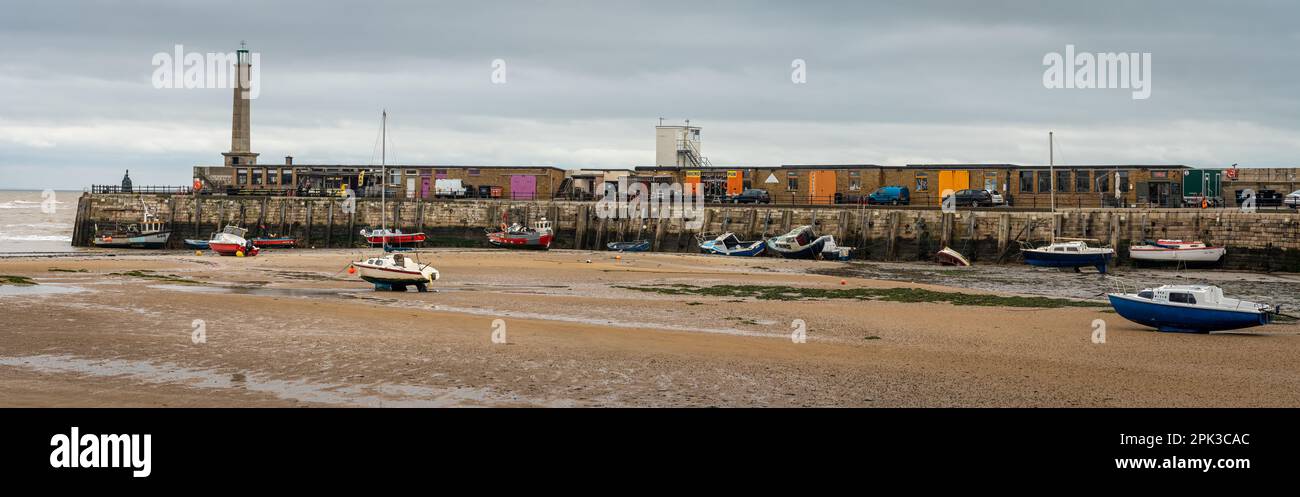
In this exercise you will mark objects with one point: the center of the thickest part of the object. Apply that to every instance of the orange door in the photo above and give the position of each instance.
(735, 183)
(822, 187)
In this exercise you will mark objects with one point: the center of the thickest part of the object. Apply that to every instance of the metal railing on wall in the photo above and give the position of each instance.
(149, 189)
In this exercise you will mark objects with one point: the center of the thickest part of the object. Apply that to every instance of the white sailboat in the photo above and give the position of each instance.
(393, 271)
(1071, 253)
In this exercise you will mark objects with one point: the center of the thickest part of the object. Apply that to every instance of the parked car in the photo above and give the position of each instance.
(997, 198)
(974, 198)
(1263, 198)
(751, 196)
(1292, 200)
(892, 195)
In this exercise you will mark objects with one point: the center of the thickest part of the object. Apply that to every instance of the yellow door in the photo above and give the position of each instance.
(822, 187)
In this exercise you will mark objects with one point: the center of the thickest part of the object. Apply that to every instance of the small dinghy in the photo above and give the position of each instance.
(1176, 251)
(950, 257)
(730, 244)
(386, 236)
(1072, 254)
(1189, 309)
(231, 241)
(633, 246)
(396, 272)
(196, 244)
(799, 243)
(516, 236)
(275, 242)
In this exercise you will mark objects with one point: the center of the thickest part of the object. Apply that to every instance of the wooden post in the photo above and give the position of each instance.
(329, 224)
(584, 214)
(306, 239)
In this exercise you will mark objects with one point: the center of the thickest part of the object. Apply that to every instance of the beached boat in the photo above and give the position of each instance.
(386, 236)
(950, 257)
(730, 244)
(803, 243)
(275, 242)
(1189, 309)
(1072, 254)
(196, 244)
(632, 246)
(1176, 251)
(396, 272)
(149, 233)
(231, 241)
(517, 236)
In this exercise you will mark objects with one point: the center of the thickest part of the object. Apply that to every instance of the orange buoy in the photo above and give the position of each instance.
(844, 282)
(618, 257)
(352, 269)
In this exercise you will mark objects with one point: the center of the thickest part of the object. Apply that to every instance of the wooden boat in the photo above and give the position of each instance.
(386, 236)
(149, 233)
(516, 236)
(1176, 251)
(803, 243)
(1189, 309)
(1072, 254)
(196, 244)
(275, 242)
(730, 244)
(231, 241)
(632, 246)
(950, 257)
(396, 272)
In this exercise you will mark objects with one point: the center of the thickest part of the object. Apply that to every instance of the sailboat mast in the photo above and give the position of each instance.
(383, 175)
(1051, 171)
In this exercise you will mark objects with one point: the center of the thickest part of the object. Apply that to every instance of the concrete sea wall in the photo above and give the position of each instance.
(1261, 241)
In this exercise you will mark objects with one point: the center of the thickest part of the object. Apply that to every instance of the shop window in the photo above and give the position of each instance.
(1026, 182)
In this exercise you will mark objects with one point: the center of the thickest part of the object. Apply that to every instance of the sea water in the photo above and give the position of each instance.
(26, 227)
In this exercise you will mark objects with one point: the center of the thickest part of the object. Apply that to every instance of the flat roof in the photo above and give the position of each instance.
(394, 166)
(1045, 166)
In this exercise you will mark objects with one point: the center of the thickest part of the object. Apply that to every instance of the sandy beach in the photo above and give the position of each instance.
(293, 328)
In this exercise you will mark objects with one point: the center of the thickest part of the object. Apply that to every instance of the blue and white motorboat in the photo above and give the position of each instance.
(1189, 309)
(730, 244)
(1073, 254)
(632, 246)
(799, 243)
(196, 244)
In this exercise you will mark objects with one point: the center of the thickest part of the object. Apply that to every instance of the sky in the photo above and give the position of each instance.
(888, 83)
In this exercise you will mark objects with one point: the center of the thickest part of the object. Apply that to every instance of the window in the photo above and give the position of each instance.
(412, 172)
(991, 181)
(1103, 181)
(395, 177)
(1123, 181)
(241, 177)
(1026, 182)
(234, 160)
(286, 176)
(1146, 294)
(1063, 181)
(473, 171)
(792, 181)
(855, 180)
(1182, 298)
(257, 176)
(1082, 181)
(1044, 182)
(272, 177)
(922, 182)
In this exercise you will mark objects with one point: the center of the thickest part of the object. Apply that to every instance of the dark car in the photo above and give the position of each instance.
(752, 196)
(974, 198)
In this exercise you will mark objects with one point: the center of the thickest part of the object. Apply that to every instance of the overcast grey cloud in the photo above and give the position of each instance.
(888, 83)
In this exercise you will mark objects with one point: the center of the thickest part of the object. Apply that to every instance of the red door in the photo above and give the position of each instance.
(523, 187)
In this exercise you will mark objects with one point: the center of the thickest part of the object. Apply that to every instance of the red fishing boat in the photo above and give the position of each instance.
(231, 241)
(515, 236)
(275, 242)
(380, 236)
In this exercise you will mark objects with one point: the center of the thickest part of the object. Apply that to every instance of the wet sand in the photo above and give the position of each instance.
(292, 328)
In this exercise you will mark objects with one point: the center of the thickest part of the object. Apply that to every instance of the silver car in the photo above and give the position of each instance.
(1292, 200)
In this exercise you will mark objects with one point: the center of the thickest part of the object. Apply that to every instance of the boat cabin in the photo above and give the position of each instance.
(1184, 294)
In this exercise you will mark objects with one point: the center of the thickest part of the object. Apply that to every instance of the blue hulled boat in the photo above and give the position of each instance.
(632, 246)
(730, 244)
(1074, 254)
(1189, 309)
(196, 244)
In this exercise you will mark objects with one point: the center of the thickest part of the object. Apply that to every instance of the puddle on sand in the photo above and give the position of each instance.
(602, 322)
(37, 290)
(260, 291)
(374, 395)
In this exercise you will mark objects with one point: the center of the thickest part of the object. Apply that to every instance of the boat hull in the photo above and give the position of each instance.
(388, 276)
(1071, 260)
(752, 250)
(229, 249)
(274, 242)
(637, 246)
(149, 241)
(196, 244)
(810, 251)
(396, 239)
(1183, 318)
(1164, 254)
(525, 241)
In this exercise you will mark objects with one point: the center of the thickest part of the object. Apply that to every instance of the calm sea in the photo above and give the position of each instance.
(26, 227)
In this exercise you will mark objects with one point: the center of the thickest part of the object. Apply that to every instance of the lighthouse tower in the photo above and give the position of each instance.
(240, 153)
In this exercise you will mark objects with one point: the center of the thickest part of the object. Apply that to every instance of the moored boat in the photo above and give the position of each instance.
(1176, 251)
(1072, 254)
(275, 242)
(148, 233)
(632, 246)
(803, 243)
(396, 271)
(1189, 309)
(950, 257)
(231, 241)
(386, 236)
(516, 236)
(196, 244)
(730, 244)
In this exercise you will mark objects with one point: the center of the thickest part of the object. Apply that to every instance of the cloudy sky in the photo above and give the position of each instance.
(886, 83)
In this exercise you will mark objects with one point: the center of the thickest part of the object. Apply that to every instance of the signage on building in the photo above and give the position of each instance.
(1231, 173)
(692, 174)
(771, 179)
(732, 174)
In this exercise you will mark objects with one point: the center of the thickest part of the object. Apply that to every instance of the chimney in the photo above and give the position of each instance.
(288, 160)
